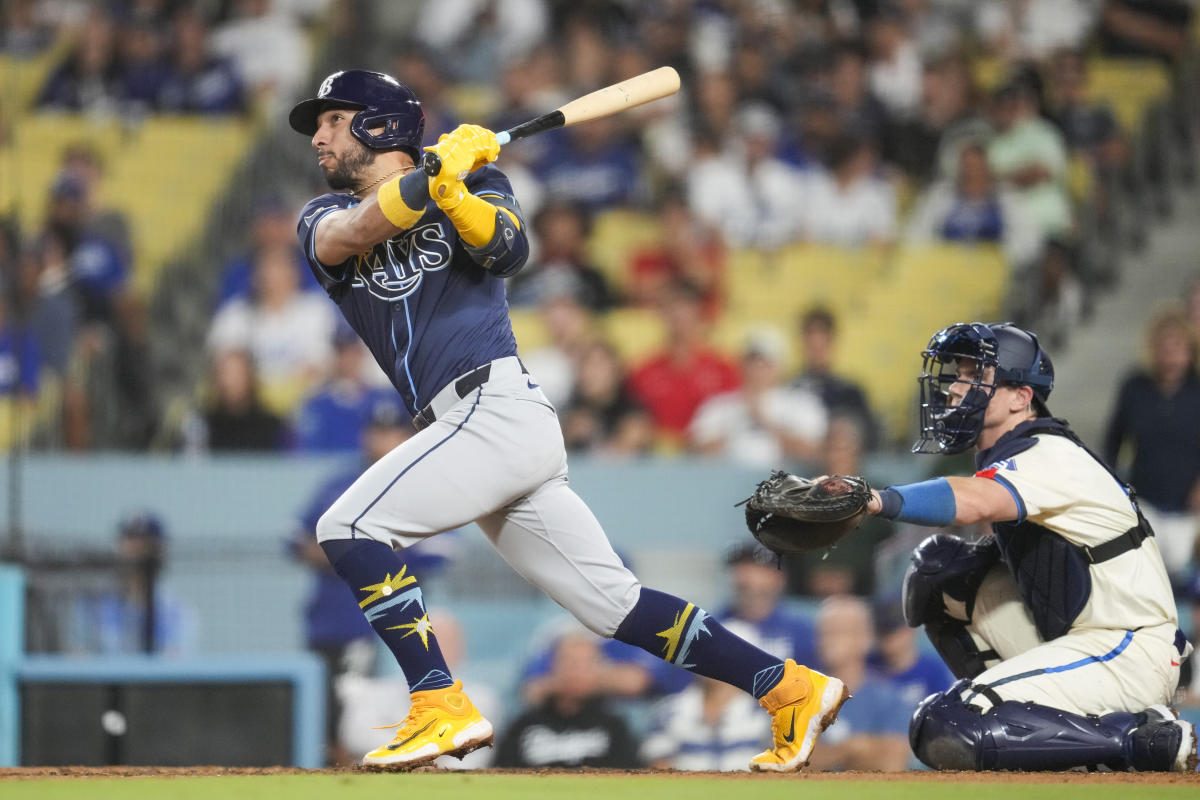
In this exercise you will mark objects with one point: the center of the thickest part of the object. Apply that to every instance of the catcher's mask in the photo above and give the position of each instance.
(1015, 355)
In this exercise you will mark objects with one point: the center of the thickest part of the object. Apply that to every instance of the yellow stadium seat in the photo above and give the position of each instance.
(1130, 85)
(635, 333)
(529, 329)
(617, 235)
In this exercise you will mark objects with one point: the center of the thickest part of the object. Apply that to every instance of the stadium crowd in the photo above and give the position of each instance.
(858, 124)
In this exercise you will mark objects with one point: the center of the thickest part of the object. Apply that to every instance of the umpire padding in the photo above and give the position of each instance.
(947, 734)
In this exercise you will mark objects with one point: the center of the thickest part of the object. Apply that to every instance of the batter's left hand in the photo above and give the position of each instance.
(462, 151)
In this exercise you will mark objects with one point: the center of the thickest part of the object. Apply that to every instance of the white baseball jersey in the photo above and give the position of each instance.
(1122, 652)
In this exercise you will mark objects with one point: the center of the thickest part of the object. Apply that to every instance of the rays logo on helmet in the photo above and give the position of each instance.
(394, 271)
(327, 85)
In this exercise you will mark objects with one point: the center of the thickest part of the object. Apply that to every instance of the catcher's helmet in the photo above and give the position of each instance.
(1018, 360)
(381, 102)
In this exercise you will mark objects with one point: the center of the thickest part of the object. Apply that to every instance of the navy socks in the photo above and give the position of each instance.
(683, 634)
(392, 601)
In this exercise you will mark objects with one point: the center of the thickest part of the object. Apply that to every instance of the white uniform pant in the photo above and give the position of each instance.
(1086, 671)
(497, 458)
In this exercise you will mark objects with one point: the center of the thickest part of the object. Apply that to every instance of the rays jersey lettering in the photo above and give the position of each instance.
(395, 270)
(425, 309)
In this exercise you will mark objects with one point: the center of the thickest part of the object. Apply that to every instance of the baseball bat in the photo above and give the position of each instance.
(635, 91)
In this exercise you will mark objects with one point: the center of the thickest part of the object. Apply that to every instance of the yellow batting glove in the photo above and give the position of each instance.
(462, 151)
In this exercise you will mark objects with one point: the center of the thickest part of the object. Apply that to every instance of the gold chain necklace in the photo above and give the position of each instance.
(359, 192)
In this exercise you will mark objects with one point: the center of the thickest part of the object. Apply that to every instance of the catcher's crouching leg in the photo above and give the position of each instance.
(939, 593)
(946, 733)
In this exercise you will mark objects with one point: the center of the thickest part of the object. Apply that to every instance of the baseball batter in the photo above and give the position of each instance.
(416, 264)
(1061, 626)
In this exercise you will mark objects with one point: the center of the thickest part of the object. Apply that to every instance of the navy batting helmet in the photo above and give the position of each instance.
(381, 102)
(1018, 360)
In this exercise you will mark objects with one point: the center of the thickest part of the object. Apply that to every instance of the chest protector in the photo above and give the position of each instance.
(1054, 575)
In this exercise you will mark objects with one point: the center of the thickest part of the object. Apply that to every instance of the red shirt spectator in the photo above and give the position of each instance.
(673, 384)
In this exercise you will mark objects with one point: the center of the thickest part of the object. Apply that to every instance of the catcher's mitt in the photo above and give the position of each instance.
(790, 514)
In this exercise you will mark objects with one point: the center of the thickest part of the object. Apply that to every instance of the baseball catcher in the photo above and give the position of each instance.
(1061, 625)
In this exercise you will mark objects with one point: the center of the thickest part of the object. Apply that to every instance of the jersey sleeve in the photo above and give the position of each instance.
(492, 185)
(330, 276)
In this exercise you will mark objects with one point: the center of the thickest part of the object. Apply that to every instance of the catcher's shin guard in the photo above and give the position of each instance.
(946, 734)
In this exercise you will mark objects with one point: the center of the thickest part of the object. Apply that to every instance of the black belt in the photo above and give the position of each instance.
(463, 386)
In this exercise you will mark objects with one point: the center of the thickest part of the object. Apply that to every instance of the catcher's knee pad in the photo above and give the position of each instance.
(946, 733)
(944, 576)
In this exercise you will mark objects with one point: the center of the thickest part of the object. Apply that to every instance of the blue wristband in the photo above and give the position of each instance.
(930, 503)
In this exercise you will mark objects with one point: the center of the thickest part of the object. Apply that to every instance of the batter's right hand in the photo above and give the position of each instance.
(463, 151)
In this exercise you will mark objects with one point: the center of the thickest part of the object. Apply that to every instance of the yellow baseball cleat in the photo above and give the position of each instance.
(440, 722)
(801, 705)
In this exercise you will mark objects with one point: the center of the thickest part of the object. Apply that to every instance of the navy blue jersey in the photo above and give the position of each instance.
(427, 311)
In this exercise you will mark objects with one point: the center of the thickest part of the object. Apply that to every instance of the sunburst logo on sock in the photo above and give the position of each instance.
(420, 626)
(388, 586)
(673, 633)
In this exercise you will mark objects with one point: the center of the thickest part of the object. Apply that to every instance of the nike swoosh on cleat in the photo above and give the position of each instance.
(398, 745)
(791, 734)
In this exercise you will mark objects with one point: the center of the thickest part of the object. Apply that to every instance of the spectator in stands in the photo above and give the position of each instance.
(273, 226)
(1150, 28)
(591, 165)
(82, 161)
(709, 726)
(335, 416)
(137, 615)
(926, 146)
(687, 371)
(20, 358)
(1091, 130)
(561, 231)
(267, 48)
(871, 733)
(972, 209)
(288, 332)
(747, 193)
(913, 674)
(842, 397)
(573, 727)
(756, 605)
(687, 249)
(88, 80)
(42, 298)
(23, 32)
(483, 34)
(98, 268)
(895, 69)
(141, 44)
(1029, 155)
(1157, 412)
(764, 422)
(601, 417)
(235, 418)
(1032, 30)
(571, 328)
(848, 204)
(193, 80)
(858, 109)
(1060, 302)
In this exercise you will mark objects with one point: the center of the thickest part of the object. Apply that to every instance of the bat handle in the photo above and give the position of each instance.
(431, 162)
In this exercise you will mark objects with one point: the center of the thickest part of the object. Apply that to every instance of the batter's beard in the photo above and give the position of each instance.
(346, 174)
